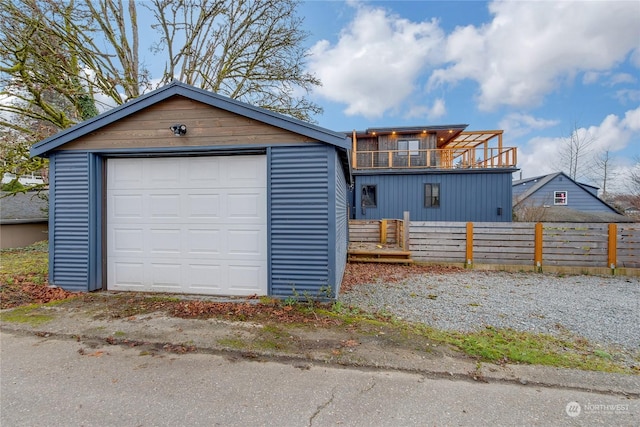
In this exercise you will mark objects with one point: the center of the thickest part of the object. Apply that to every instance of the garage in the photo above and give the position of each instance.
(185, 191)
(187, 224)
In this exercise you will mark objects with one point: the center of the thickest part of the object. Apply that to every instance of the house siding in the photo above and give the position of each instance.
(69, 207)
(464, 196)
(299, 215)
(341, 224)
(578, 198)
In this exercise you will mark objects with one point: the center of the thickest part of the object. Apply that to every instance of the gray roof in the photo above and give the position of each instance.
(178, 88)
(565, 214)
(23, 207)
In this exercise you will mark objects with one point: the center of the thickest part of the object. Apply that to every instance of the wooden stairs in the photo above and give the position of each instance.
(382, 256)
(383, 241)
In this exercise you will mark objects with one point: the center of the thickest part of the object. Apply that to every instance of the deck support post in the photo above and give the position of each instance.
(383, 231)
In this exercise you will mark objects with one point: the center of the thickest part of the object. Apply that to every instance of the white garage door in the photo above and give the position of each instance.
(187, 224)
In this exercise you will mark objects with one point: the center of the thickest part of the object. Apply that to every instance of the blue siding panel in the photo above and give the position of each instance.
(69, 209)
(299, 209)
(465, 196)
(342, 225)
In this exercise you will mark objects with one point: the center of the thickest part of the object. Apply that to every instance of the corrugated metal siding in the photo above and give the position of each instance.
(70, 214)
(299, 220)
(578, 198)
(342, 224)
(463, 196)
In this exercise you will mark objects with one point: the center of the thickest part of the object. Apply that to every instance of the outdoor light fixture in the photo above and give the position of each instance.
(179, 129)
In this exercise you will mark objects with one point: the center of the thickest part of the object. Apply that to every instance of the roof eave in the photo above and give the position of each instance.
(42, 148)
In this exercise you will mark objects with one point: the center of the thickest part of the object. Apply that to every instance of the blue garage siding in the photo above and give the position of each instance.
(463, 196)
(69, 220)
(299, 211)
(342, 224)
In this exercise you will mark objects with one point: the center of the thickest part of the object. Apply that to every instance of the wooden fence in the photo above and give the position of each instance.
(526, 244)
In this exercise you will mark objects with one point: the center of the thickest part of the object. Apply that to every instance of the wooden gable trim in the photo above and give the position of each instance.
(206, 126)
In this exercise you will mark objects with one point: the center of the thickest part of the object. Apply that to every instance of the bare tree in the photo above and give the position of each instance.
(602, 171)
(575, 152)
(244, 49)
(56, 56)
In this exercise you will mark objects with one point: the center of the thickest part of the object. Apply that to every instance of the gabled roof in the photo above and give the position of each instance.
(541, 181)
(24, 207)
(178, 88)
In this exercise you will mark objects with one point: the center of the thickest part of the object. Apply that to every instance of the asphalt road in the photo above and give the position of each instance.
(53, 382)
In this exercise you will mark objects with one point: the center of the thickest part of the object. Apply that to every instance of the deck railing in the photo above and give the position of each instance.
(479, 158)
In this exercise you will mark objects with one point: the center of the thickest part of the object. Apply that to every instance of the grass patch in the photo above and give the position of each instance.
(508, 345)
(26, 314)
(235, 343)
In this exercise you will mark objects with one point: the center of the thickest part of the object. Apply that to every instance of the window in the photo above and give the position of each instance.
(408, 147)
(431, 195)
(559, 197)
(368, 197)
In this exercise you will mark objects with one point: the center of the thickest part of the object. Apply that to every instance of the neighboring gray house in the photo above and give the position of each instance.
(558, 198)
(23, 219)
(182, 190)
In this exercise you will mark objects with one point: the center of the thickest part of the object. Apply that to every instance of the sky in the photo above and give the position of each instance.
(536, 69)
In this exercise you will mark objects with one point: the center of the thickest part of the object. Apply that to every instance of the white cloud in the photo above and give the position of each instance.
(541, 154)
(531, 48)
(374, 66)
(518, 124)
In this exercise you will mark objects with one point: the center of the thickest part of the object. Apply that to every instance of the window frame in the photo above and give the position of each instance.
(560, 198)
(374, 199)
(408, 150)
(431, 201)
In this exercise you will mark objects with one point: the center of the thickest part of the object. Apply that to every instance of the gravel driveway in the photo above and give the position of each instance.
(605, 310)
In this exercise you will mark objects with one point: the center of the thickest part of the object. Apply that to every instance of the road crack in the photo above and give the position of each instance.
(321, 407)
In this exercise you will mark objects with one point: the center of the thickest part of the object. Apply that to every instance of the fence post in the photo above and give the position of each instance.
(469, 252)
(613, 247)
(383, 231)
(405, 237)
(537, 252)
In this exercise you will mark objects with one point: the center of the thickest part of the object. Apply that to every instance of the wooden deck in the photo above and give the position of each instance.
(378, 252)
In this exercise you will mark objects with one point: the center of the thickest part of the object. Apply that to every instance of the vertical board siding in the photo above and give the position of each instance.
(463, 196)
(628, 245)
(342, 224)
(299, 220)
(70, 212)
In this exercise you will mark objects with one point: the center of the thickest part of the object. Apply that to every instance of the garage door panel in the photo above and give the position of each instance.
(245, 243)
(126, 173)
(127, 206)
(126, 240)
(242, 277)
(187, 225)
(201, 241)
(205, 278)
(164, 206)
(128, 275)
(165, 275)
(164, 241)
(203, 206)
